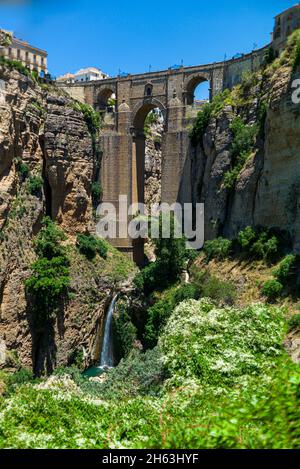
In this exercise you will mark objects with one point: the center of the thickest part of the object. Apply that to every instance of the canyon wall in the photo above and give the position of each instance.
(42, 137)
(267, 190)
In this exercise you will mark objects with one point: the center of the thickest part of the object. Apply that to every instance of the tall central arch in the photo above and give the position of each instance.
(138, 145)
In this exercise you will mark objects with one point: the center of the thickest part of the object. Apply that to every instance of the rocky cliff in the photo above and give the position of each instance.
(47, 163)
(266, 191)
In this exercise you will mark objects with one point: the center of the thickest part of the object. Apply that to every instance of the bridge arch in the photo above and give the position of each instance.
(190, 85)
(103, 97)
(142, 109)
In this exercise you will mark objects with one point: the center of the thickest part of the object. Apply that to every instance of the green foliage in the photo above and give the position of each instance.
(269, 56)
(90, 246)
(246, 238)
(208, 111)
(14, 380)
(48, 242)
(294, 323)
(49, 280)
(97, 193)
(220, 345)
(14, 65)
(286, 269)
(296, 52)
(266, 246)
(171, 255)
(23, 170)
(201, 123)
(259, 243)
(35, 185)
(92, 117)
(137, 374)
(159, 313)
(241, 148)
(218, 290)
(218, 248)
(151, 118)
(125, 331)
(262, 116)
(272, 289)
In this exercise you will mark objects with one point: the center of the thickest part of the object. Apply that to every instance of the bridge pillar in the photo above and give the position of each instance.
(173, 152)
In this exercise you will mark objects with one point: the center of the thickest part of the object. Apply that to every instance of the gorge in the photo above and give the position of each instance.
(195, 349)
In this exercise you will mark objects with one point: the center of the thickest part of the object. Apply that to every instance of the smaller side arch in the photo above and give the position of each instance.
(102, 97)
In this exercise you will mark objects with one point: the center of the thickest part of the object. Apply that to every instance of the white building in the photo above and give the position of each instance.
(83, 75)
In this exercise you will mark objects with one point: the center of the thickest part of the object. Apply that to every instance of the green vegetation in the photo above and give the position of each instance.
(200, 126)
(272, 289)
(151, 118)
(90, 246)
(294, 323)
(259, 243)
(218, 248)
(286, 269)
(35, 185)
(97, 193)
(92, 117)
(15, 65)
(124, 331)
(270, 56)
(23, 170)
(208, 111)
(48, 283)
(171, 256)
(241, 149)
(222, 369)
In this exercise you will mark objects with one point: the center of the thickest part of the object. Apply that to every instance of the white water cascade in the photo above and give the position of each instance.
(107, 356)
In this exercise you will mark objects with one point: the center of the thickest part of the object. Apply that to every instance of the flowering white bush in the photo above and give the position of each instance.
(214, 344)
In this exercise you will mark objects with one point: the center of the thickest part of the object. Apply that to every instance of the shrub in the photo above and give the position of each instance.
(23, 170)
(49, 279)
(20, 377)
(260, 243)
(286, 269)
(272, 289)
(159, 313)
(217, 346)
(97, 193)
(265, 247)
(241, 148)
(48, 242)
(35, 185)
(124, 331)
(219, 248)
(92, 117)
(90, 246)
(294, 322)
(269, 56)
(171, 256)
(200, 126)
(219, 290)
(15, 65)
(246, 238)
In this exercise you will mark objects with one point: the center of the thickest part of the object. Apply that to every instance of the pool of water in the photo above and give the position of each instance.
(93, 372)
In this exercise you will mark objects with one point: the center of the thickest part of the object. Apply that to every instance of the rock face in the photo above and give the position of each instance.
(267, 189)
(153, 164)
(41, 135)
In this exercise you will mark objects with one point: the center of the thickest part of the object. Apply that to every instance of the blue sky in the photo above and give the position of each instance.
(131, 35)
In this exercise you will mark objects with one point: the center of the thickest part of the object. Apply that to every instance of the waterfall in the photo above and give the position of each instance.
(107, 357)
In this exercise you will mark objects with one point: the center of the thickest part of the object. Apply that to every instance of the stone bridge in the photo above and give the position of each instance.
(123, 140)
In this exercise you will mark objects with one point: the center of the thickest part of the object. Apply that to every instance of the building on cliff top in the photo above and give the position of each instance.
(83, 75)
(16, 49)
(285, 23)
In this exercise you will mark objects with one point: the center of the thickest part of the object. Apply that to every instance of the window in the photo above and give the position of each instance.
(18, 53)
(34, 59)
(43, 61)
